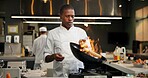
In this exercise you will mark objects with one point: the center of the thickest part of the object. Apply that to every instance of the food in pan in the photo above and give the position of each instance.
(85, 47)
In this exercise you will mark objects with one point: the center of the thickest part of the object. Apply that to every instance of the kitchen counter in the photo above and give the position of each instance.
(16, 58)
(43, 74)
(139, 55)
(127, 68)
(29, 60)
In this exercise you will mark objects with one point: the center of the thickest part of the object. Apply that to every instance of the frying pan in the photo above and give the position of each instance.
(89, 61)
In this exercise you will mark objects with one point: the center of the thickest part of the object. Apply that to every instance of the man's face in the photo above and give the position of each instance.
(67, 18)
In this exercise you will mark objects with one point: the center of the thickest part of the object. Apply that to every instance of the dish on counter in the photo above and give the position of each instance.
(139, 63)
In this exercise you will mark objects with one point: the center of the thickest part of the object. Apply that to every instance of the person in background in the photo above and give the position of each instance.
(57, 48)
(145, 50)
(38, 47)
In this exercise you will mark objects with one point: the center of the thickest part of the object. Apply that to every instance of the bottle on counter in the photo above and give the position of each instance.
(8, 75)
(116, 53)
(122, 56)
(134, 58)
(129, 57)
(123, 53)
(23, 52)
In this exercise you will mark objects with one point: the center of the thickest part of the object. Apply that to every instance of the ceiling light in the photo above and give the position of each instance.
(56, 17)
(45, 1)
(120, 5)
(44, 17)
(47, 22)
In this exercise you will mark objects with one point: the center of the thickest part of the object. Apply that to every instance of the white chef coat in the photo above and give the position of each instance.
(38, 47)
(58, 40)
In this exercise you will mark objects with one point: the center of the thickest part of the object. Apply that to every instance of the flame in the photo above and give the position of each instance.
(95, 46)
(90, 47)
(91, 41)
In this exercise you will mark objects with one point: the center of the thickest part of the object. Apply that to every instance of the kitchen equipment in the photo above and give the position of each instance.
(16, 39)
(89, 61)
(92, 66)
(14, 72)
(8, 38)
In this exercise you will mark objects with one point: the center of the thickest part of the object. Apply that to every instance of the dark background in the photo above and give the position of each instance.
(127, 24)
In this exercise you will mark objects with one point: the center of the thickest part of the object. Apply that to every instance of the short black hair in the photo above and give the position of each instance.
(65, 7)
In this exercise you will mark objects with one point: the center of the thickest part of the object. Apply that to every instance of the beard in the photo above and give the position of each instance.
(67, 25)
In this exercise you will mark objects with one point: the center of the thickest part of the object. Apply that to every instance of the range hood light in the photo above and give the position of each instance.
(47, 22)
(98, 17)
(44, 17)
(45, 1)
(53, 17)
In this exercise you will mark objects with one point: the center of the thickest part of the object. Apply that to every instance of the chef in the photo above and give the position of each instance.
(57, 48)
(38, 47)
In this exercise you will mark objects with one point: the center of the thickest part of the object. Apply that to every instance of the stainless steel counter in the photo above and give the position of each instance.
(7, 59)
(127, 68)
(16, 58)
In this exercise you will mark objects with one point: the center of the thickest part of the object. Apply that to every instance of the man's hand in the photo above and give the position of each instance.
(58, 57)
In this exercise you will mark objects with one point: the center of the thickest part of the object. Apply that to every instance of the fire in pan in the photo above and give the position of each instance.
(89, 61)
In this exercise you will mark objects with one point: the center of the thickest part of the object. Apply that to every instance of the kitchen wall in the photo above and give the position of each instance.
(82, 7)
(131, 22)
(8, 8)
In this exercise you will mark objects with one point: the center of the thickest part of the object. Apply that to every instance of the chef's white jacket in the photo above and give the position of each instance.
(58, 40)
(38, 48)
